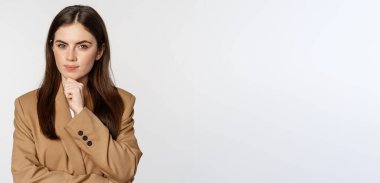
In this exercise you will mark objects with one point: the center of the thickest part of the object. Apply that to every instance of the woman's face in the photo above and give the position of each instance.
(75, 51)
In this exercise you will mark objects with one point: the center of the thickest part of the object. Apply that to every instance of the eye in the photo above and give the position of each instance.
(61, 45)
(82, 46)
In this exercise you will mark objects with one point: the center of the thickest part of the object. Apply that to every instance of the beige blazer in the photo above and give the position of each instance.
(86, 151)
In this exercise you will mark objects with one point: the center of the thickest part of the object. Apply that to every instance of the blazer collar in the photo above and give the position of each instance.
(62, 117)
(61, 103)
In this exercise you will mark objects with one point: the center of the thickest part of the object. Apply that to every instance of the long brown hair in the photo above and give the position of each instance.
(107, 102)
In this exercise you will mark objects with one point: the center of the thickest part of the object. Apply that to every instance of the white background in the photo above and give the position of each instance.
(227, 90)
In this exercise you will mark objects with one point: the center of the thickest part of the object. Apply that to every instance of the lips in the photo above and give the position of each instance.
(71, 67)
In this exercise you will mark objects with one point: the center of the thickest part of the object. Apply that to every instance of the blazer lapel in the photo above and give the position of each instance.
(62, 117)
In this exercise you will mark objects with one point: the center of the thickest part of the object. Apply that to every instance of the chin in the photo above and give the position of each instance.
(70, 76)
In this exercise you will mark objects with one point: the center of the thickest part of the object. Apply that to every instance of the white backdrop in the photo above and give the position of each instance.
(227, 90)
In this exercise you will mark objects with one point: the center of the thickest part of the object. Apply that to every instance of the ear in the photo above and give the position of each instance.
(99, 53)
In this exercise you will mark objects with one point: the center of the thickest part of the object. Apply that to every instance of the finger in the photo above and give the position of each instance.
(73, 90)
(73, 85)
(70, 87)
(73, 82)
(68, 96)
(69, 80)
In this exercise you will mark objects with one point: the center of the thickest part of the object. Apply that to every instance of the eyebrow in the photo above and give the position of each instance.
(80, 42)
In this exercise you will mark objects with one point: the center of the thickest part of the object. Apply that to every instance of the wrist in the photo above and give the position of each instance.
(78, 111)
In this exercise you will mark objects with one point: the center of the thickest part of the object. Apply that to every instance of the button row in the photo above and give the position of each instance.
(80, 133)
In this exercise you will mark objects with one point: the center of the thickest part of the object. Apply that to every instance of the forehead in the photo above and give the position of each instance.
(73, 33)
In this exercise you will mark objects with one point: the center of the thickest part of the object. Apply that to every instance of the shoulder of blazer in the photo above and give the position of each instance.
(126, 95)
(129, 102)
(28, 100)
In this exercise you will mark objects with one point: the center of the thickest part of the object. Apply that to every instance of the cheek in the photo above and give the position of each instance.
(87, 60)
(57, 55)
(87, 66)
(59, 58)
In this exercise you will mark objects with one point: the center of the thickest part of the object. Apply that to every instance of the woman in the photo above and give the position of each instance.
(77, 126)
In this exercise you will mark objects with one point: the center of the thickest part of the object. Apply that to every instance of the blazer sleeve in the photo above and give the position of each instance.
(25, 166)
(117, 159)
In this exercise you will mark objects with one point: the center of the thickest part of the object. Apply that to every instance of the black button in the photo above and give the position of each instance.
(80, 132)
(84, 138)
(89, 143)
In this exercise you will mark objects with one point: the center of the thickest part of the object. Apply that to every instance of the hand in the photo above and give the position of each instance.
(74, 95)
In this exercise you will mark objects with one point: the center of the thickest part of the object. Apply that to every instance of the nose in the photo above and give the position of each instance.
(71, 55)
